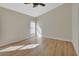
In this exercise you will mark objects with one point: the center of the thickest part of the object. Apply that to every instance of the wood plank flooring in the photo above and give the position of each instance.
(39, 47)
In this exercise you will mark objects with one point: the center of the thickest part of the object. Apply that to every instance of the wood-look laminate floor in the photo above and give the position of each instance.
(38, 47)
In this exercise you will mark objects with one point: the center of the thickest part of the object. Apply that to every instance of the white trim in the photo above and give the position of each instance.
(58, 38)
(9, 42)
(75, 27)
(76, 49)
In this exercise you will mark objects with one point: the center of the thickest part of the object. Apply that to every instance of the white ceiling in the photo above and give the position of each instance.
(28, 9)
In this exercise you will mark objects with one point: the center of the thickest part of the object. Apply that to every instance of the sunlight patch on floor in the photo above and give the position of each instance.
(12, 48)
(21, 47)
(30, 46)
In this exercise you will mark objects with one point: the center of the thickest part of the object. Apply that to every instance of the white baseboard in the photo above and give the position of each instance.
(76, 48)
(30, 36)
(13, 41)
(8, 42)
(58, 38)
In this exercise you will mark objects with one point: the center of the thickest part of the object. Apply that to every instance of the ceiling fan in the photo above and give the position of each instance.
(36, 4)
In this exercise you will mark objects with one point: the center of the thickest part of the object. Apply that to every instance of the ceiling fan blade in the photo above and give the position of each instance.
(26, 3)
(35, 5)
(42, 4)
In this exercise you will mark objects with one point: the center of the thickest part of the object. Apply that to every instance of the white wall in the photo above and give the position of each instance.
(57, 23)
(13, 26)
(78, 31)
(75, 26)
